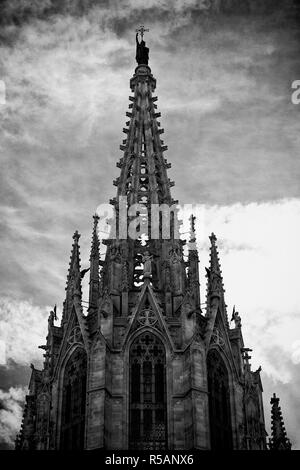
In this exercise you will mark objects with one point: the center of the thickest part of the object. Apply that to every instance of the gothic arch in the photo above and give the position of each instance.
(147, 392)
(221, 430)
(73, 399)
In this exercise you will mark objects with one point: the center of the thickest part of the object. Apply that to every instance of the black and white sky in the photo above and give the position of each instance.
(224, 71)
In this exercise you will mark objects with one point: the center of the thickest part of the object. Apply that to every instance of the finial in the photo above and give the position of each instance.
(214, 259)
(142, 30)
(274, 399)
(142, 52)
(73, 279)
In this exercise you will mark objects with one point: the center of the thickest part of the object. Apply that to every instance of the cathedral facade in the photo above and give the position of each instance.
(148, 367)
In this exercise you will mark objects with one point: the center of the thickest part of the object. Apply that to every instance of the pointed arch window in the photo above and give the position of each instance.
(148, 409)
(73, 402)
(219, 402)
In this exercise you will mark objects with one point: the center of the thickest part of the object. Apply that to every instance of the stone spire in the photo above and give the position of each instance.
(143, 183)
(214, 273)
(143, 167)
(279, 440)
(215, 288)
(94, 268)
(73, 287)
(193, 263)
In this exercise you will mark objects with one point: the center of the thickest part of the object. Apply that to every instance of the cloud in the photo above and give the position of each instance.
(11, 409)
(23, 327)
(296, 352)
(17, 12)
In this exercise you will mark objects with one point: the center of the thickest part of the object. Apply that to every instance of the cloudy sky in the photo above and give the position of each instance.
(224, 72)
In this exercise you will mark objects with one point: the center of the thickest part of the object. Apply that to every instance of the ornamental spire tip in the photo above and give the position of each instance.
(142, 52)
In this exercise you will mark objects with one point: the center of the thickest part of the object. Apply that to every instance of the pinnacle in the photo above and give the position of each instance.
(279, 438)
(74, 264)
(215, 287)
(192, 229)
(94, 267)
(76, 236)
(95, 240)
(214, 255)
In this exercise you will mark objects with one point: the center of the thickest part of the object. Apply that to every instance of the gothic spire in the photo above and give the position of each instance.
(73, 287)
(214, 273)
(193, 263)
(94, 267)
(279, 440)
(143, 177)
(144, 188)
(215, 288)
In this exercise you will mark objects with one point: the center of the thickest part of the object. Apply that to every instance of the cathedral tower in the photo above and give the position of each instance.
(145, 368)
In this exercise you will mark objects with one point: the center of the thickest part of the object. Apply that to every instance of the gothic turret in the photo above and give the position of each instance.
(279, 440)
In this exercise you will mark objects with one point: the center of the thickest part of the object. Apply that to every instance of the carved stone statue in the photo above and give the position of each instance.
(142, 52)
(237, 319)
(147, 260)
(51, 319)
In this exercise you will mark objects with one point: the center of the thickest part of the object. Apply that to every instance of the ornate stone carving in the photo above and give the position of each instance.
(75, 335)
(216, 337)
(147, 317)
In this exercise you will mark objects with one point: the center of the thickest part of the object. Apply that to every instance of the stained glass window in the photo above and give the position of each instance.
(147, 393)
(219, 402)
(74, 400)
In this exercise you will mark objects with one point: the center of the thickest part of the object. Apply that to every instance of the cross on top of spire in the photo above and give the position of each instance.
(142, 30)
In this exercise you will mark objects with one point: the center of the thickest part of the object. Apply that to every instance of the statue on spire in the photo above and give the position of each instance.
(142, 52)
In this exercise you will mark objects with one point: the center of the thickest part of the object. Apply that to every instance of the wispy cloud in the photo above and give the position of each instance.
(22, 327)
